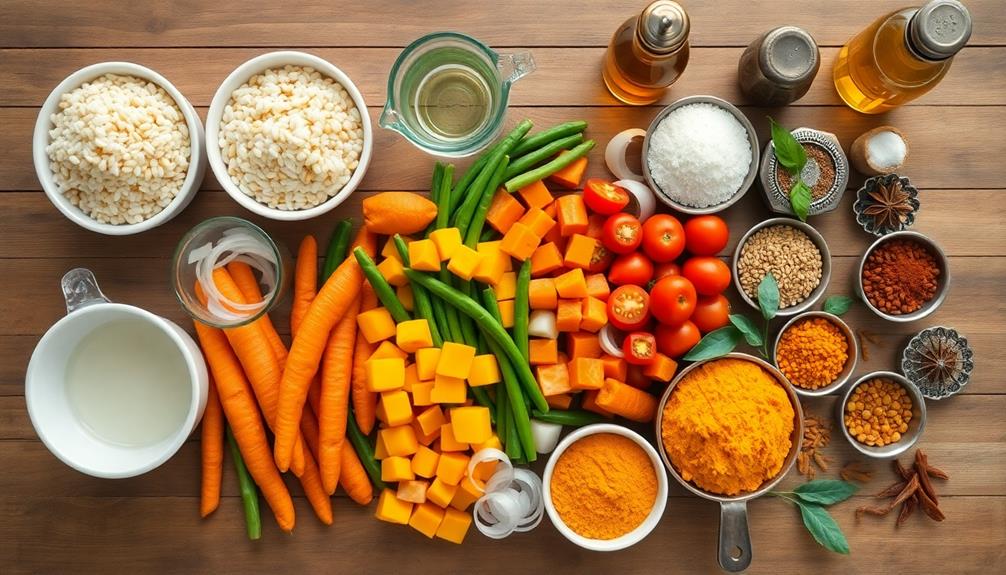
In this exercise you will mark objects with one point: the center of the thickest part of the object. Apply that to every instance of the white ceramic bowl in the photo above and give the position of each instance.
(40, 139)
(637, 534)
(242, 74)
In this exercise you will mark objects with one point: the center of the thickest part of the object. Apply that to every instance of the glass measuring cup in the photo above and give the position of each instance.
(448, 92)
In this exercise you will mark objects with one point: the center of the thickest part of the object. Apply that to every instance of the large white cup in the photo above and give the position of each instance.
(51, 414)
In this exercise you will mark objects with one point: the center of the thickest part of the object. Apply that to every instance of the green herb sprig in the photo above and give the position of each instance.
(812, 498)
(722, 341)
(793, 157)
(837, 304)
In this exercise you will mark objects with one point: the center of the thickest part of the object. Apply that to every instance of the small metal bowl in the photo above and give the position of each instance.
(850, 362)
(752, 167)
(863, 201)
(915, 426)
(815, 237)
(941, 289)
(778, 199)
(920, 346)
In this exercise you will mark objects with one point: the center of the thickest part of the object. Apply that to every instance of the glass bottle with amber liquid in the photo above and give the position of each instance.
(901, 56)
(647, 53)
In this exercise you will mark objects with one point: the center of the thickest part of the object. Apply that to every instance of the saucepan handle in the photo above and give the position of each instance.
(735, 541)
(80, 289)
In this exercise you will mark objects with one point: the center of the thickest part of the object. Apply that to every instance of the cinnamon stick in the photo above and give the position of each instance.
(922, 472)
(930, 508)
(906, 510)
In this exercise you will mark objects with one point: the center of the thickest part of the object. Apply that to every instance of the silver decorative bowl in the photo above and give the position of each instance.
(777, 199)
(863, 201)
(939, 361)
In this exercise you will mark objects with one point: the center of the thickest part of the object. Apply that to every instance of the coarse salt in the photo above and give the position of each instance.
(886, 150)
(699, 155)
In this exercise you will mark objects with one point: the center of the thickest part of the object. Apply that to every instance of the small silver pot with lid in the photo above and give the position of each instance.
(779, 66)
(777, 195)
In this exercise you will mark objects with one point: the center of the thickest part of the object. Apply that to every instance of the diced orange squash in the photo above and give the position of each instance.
(543, 351)
(571, 285)
(583, 344)
(536, 195)
(594, 312)
(579, 251)
(451, 469)
(390, 250)
(448, 389)
(423, 256)
(614, 367)
(662, 368)
(506, 313)
(440, 492)
(380, 452)
(380, 415)
(385, 374)
(421, 393)
(463, 262)
(586, 373)
(485, 370)
(376, 324)
(426, 439)
(432, 418)
(545, 259)
(412, 490)
(470, 424)
(404, 295)
(455, 360)
(627, 401)
(399, 440)
(595, 225)
(454, 526)
(597, 286)
(493, 442)
(561, 401)
(447, 240)
(424, 462)
(426, 362)
(392, 270)
(397, 407)
(589, 403)
(572, 214)
(426, 519)
(568, 316)
(539, 222)
(570, 176)
(553, 379)
(448, 441)
(396, 468)
(506, 288)
(392, 509)
(551, 210)
(413, 335)
(542, 294)
(466, 494)
(411, 377)
(504, 211)
(554, 235)
(519, 241)
(388, 350)
(491, 268)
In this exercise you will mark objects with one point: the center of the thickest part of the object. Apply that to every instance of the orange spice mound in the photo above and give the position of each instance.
(727, 426)
(603, 486)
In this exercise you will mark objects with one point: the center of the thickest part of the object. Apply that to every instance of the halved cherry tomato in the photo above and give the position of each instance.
(706, 235)
(711, 312)
(677, 341)
(673, 300)
(622, 233)
(629, 307)
(640, 348)
(634, 268)
(600, 259)
(663, 237)
(709, 275)
(604, 197)
(665, 269)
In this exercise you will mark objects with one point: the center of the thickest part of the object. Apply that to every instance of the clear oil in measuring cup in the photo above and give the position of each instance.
(452, 102)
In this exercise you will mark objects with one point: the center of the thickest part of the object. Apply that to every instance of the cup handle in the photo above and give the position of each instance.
(80, 289)
(515, 66)
(735, 541)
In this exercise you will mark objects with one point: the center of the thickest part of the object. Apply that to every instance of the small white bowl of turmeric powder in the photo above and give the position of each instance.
(605, 487)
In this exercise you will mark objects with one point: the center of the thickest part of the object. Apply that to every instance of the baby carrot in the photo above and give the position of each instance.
(212, 443)
(336, 379)
(364, 400)
(353, 477)
(244, 277)
(305, 281)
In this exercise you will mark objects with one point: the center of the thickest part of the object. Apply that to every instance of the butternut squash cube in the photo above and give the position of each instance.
(392, 509)
(448, 442)
(426, 362)
(432, 418)
(470, 424)
(572, 214)
(579, 251)
(491, 268)
(426, 439)
(448, 390)
(571, 285)
(422, 393)
(454, 526)
(396, 468)
(597, 286)
(485, 370)
(447, 240)
(583, 344)
(426, 519)
(391, 251)
(506, 288)
(504, 211)
(411, 377)
(455, 360)
(423, 256)
(506, 313)
(545, 259)
(542, 294)
(561, 401)
(520, 241)
(385, 374)
(543, 351)
(539, 222)
(387, 350)
(376, 324)
(451, 468)
(466, 494)
(586, 373)
(413, 335)
(463, 262)
(594, 314)
(553, 379)
(536, 195)
(393, 271)
(493, 442)
(412, 490)
(399, 440)
(424, 462)
(380, 451)
(568, 315)
(440, 492)
(397, 407)
(405, 295)
(492, 249)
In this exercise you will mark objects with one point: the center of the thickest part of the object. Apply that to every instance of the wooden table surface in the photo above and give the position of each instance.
(53, 519)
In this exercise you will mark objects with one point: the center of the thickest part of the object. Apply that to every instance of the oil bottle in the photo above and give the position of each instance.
(901, 56)
(647, 53)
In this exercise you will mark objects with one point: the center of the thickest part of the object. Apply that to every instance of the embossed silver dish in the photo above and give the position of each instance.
(925, 349)
(777, 199)
(863, 201)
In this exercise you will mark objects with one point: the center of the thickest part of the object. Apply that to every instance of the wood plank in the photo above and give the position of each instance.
(399, 165)
(565, 76)
(98, 535)
(46, 23)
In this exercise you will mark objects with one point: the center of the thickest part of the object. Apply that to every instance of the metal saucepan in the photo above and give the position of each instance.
(734, 552)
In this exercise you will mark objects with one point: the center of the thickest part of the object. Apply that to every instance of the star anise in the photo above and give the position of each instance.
(940, 361)
(890, 207)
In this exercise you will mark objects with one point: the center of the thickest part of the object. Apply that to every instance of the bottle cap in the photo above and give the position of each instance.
(663, 26)
(789, 56)
(939, 29)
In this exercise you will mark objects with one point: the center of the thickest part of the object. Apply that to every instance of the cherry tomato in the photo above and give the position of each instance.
(663, 238)
(706, 235)
(622, 233)
(709, 275)
(628, 307)
(604, 197)
(640, 348)
(677, 341)
(673, 300)
(711, 312)
(666, 269)
(600, 259)
(632, 268)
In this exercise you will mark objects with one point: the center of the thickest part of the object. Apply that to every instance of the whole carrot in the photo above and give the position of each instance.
(310, 480)
(353, 477)
(212, 444)
(244, 277)
(336, 377)
(305, 281)
(328, 307)
(364, 400)
(238, 403)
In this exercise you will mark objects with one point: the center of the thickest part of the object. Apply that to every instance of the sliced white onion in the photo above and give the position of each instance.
(531, 489)
(611, 340)
(643, 203)
(503, 475)
(235, 245)
(513, 499)
(546, 435)
(542, 323)
(497, 514)
(615, 152)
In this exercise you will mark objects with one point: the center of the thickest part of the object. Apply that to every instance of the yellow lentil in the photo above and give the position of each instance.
(812, 353)
(878, 412)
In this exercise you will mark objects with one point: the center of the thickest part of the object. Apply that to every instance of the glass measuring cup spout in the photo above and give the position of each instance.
(515, 66)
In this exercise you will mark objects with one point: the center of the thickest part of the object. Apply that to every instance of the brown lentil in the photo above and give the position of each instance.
(789, 254)
(878, 412)
(823, 166)
(900, 276)
(812, 353)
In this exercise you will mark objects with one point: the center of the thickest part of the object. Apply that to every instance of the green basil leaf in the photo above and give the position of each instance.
(825, 491)
(748, 329)
(768, 296)
(823, 528)
(837, 304)
(715, 344)
(799, 200)
(788, 151)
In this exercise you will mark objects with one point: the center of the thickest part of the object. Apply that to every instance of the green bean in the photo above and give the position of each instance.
(502, 407)
(474, 231)
(482, 398)
(438, 174)
(424, 308)
(365, 451)
(474, 193)
(440, 316)
(469, 334)
(444, 198)
(545, 136)
(542, 172)
(338, 246)
(452, 315)
(532, 159)
(487, 235)
(513, 447)
(521, 309)
(249, 492)
(381, 287)
(467, 178)
(570, 417)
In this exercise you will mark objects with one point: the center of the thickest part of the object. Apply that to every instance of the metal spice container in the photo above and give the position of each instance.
(779, 66)
(826, 162)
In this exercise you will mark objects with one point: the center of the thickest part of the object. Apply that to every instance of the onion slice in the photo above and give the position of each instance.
(513, 499)
(610, 340)
(616, 150)
(503, 475)
(235, 245)
(643, 203)
(546, 435)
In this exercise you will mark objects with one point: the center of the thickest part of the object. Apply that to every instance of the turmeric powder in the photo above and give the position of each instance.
(812, 353)
(603, 486)
(727, 426)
